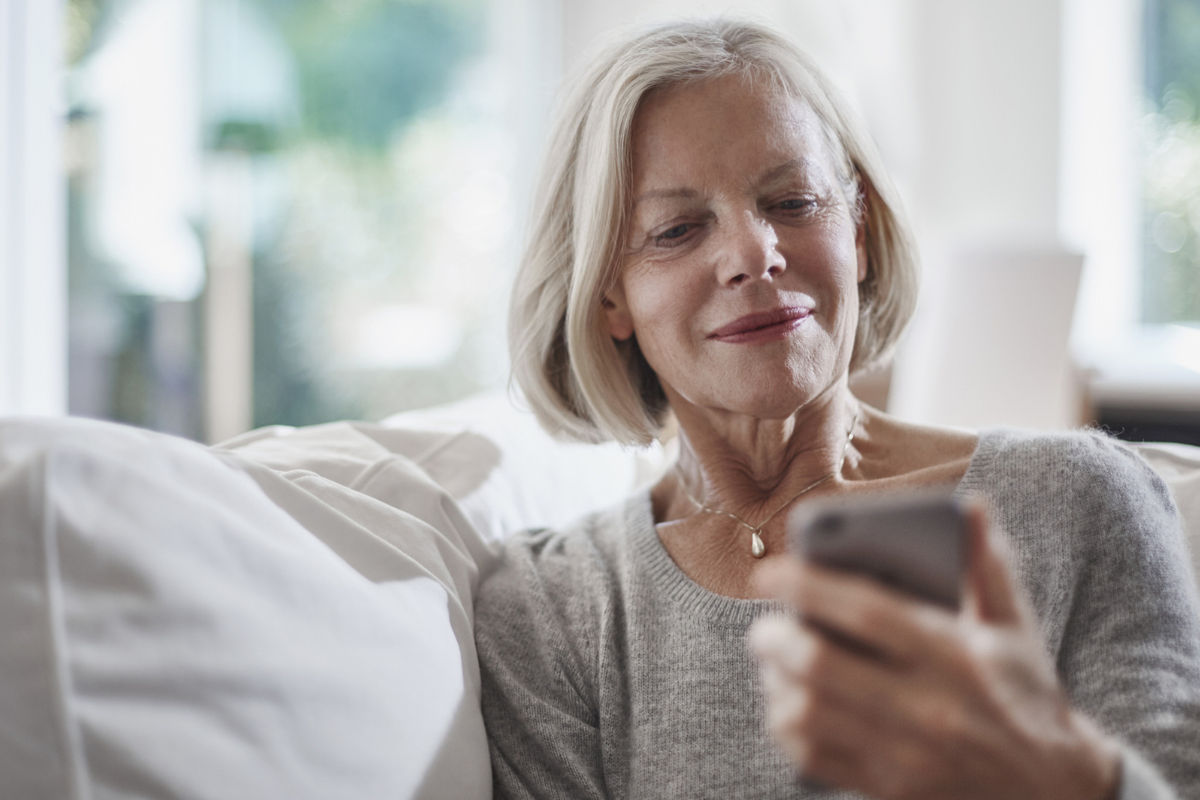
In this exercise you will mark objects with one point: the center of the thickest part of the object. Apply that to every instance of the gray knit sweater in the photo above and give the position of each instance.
(607, 672)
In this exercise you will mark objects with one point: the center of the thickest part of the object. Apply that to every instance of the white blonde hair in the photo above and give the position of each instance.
(580, 382)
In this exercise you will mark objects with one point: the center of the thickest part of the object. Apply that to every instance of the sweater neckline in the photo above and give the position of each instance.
(678, 588)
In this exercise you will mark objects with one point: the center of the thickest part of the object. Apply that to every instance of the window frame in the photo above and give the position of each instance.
(33, 354)
(1128, 363)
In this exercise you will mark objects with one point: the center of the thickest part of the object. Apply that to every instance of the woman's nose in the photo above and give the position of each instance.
(751, 252)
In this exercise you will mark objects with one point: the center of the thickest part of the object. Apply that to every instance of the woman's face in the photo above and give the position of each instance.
(742, 261)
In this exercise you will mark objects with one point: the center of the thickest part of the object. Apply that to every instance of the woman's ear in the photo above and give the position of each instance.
(616, 313)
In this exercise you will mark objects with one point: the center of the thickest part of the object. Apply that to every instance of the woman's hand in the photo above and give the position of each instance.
(896, 698)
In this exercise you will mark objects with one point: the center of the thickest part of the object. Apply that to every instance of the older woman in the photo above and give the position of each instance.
(716, 250)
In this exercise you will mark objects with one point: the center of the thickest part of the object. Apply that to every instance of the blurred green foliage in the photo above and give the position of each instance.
(368, 67)
(1171, 274)
(1173, 53)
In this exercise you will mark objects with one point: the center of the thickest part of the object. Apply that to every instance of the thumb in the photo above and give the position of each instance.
(991, 592)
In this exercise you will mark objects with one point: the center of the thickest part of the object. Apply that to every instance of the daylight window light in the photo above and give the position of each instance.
(1183, 346)
(404, 337)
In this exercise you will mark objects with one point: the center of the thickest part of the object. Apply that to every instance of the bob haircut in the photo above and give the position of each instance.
(580, 382)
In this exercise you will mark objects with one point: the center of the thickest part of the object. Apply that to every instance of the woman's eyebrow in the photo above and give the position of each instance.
(658, 194)
(796, 166)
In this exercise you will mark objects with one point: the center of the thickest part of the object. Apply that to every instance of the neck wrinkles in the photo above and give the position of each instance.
(746, 465)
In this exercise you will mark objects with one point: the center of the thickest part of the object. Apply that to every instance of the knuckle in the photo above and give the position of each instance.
(978, 652)
(981, 643)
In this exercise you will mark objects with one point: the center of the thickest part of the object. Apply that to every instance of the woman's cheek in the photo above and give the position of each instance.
(656, 300)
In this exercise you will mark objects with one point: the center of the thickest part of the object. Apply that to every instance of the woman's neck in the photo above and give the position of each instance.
(747, 466)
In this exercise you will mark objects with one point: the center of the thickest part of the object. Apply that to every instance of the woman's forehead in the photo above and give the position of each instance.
(730, 124)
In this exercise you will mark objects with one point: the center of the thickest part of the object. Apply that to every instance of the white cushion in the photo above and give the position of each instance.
(485, 452)
(168, 630)
(509, 474)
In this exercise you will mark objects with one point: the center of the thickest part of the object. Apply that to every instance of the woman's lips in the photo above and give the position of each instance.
(763, 326)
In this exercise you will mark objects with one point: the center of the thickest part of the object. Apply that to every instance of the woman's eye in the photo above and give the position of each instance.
(672, 234)
(796, 204)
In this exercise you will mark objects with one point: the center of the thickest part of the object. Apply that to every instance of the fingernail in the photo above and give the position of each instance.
(796, 652)
(765, 635)
(758, 638)
(771, 677)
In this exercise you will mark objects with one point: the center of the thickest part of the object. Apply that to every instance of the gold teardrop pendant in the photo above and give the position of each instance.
(757, 548)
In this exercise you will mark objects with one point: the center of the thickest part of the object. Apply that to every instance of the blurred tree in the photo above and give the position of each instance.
(370, 66)
(1173, 51)
(1171, 274)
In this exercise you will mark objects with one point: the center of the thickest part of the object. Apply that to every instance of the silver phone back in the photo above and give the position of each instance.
(913, 542)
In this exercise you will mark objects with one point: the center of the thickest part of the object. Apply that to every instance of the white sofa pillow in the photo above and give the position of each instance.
(509, 474)
(168, 630)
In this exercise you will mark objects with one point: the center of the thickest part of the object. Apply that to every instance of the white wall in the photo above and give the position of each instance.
(1102, 80)
(988, 86)
(990, 343)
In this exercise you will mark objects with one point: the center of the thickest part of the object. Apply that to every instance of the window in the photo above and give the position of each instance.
(1129, 185)
(32, 313)
(1171, 185)
(287, 211)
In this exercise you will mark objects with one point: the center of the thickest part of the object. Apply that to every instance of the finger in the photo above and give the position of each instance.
(838, 746)
(829, 742)
(862, 610)
(771, 637)
(992, 594)
(822, 764)
(838, 714)
(844, 675)
(911, 703)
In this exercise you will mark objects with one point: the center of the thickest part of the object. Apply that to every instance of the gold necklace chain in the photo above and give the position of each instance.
(757, 548)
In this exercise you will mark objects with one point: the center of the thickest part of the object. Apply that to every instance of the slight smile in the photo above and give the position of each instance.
(762, 327)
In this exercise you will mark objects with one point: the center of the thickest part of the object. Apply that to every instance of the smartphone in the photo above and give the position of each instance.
(915, 542)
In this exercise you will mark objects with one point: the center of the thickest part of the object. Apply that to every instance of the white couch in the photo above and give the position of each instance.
(287, 615)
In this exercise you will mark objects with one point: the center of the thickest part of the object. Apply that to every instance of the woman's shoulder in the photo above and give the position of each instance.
(540, 607)
(1085, 517)
(1084, 461)
(1083, 489)
(563, 566)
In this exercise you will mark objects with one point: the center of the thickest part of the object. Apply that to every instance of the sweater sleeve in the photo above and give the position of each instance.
(1130, 655)
(537, 691)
